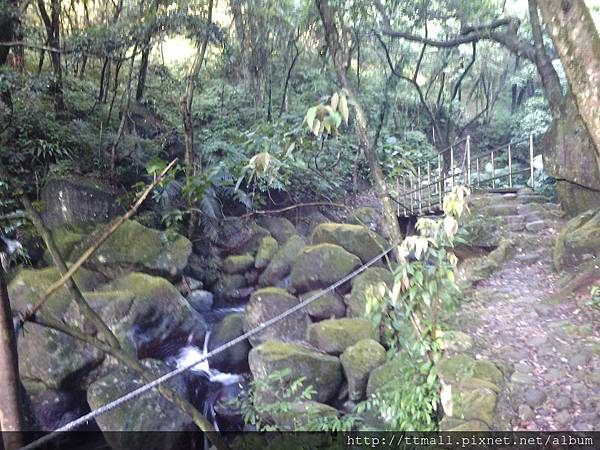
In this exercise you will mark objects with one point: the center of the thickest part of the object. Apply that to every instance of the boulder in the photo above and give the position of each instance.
(77, 200)
(458, 368)
(206, 269)
(29, 284)
(322, 372)
(66, 238)
(201, 300)
(239, 236)
(304, 415)
(388, 374)
(333, 336)
(238, 264)
(358, 361)
(366, 216)
(234, 358)
(279, 227)
(281, 263)
(364, 286)
(578, 241)
(356, 239)
(267, 303)
(53, 408)
(227, 290)
(319, 266)
(145, 313)
(54, 358)
(330, 305)
(266, 250)
(149, 412)
(134, 247)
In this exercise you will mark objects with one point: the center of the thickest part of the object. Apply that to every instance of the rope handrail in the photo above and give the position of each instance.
(166, 377)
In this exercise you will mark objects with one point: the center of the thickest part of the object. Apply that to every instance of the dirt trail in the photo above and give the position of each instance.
(548, 348)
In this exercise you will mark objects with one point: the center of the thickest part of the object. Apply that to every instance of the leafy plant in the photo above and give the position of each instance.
(594, 300)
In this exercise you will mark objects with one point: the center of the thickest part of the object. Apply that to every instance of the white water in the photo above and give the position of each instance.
(189, 354)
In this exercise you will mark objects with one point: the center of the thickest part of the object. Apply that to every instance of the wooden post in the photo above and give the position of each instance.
(478, 172)
(404, 196)
(531, 161)
(419, 192)
(509, 167)
(429, 185)
(440, 179)
(411, 189)
(468, 174)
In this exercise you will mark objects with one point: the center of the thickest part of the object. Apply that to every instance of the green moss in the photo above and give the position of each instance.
(266, 250)
(358, 361)
(279, 267)
(356, 239)
(329, 305)
(279, 227)
(336, 335)
(238, 264)
(363, 284)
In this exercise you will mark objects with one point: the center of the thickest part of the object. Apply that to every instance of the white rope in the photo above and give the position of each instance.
(139, 391)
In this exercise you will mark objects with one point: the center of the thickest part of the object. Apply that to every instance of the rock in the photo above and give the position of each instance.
(580, 359)
(76, 200)
(570, 157)
(267, 303)
(53, 409)
(356, 239)
(330, 305)
(133, 247)
(145, 312)
(304, 415)
(502, 209)
(358, 361)
(191, 284)
(333, 336)
(29, 284)
(281, 264)
(363, 287)
(536, 226)
(562, 402)
(149, 412)
(279, 227)
(206, 269)
(476, 404)
(456, 341)
(201, 300)
(266, 250)
(66, 238)
(578, 240)
(239, 236)
(55, 359)
(238, 264)
(535, 397)
(322, 372)
(251, 277)
(319, 266)
(234, 358)
(389, 374)
(455, 368)
(452, 424)
(526, 413)
(227, 289)
(366, 216)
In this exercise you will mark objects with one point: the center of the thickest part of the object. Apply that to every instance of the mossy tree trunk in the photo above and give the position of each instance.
(576, 39)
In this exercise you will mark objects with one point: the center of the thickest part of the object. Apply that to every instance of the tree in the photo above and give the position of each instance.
(339, 56)
(576, 39)
(52, 25)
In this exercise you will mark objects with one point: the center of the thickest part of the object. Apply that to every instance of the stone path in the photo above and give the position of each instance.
(549, 350)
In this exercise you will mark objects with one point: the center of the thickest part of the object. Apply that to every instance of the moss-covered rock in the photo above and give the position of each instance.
(578, 240)
(475, 404)
(356, 239)
(389, 373)
(318, 266)
(279, 227)
(240, 236)
(281, 263)
(238, 264)
(149, 412)
(303, 415)
(358, 361)
(366, 216)
(473, 270)
(145, 311)
(363, 287)
(322, 372)
(29, 284)
(234, 358)
(267, 303)
(455, 369)
(266, 250)
(452, 424)
(330, 305)
(227, 287)
(336, 335)
(66, 238)
(135, 247)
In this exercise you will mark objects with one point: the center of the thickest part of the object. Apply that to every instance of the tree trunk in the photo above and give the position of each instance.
(11, 418)
(141, 84)
(52, 24)
(576, 39)
(333, 43)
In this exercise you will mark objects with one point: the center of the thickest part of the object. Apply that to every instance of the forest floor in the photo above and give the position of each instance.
(547, 346)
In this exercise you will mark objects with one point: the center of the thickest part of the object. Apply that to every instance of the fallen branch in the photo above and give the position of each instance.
(289, 208)
(90, 251)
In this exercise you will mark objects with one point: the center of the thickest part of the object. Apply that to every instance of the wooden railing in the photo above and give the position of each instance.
(508, 166)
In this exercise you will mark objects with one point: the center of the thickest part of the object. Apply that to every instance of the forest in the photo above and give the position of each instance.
(219, 217)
